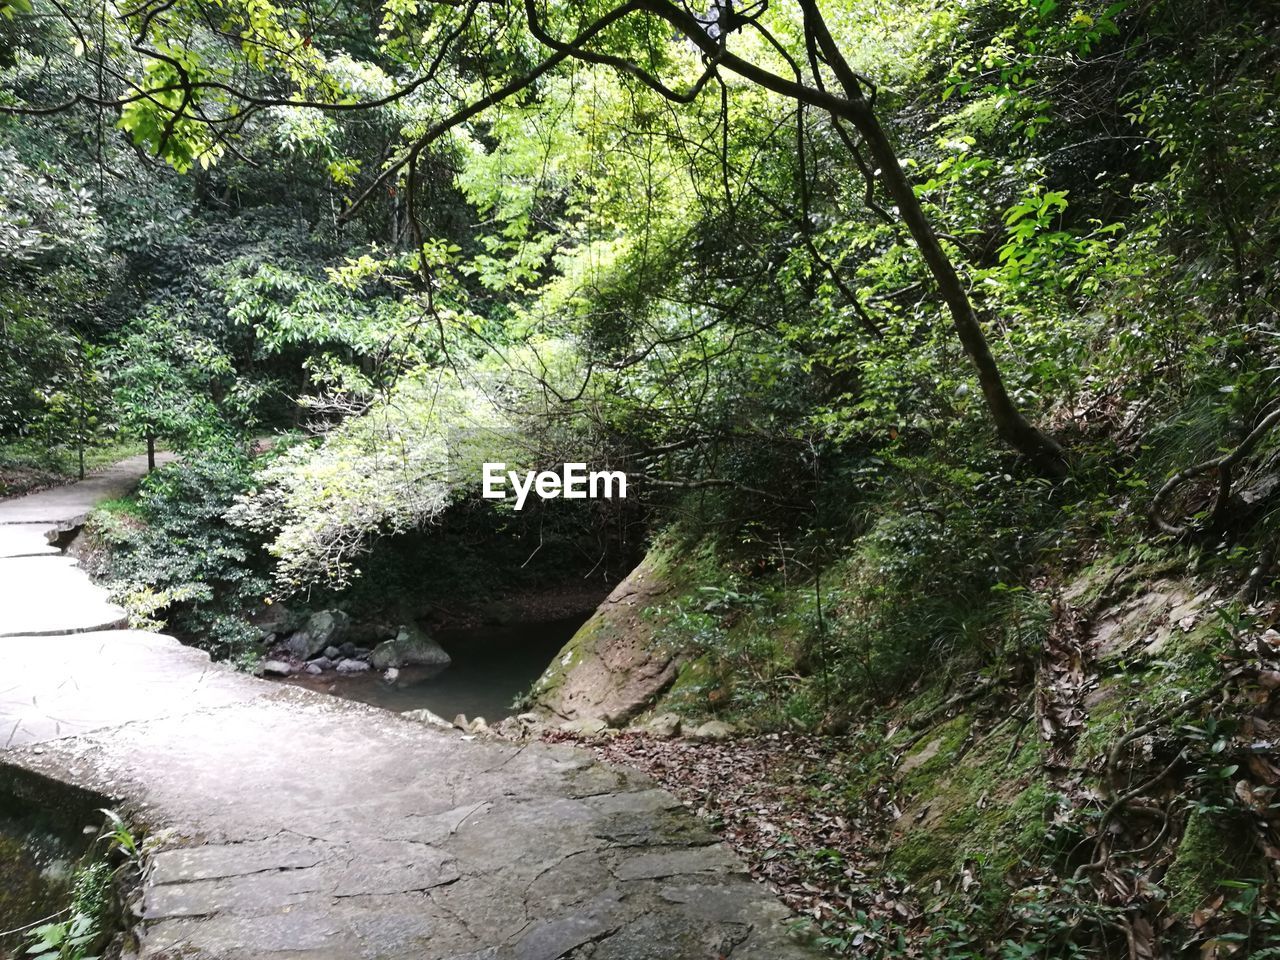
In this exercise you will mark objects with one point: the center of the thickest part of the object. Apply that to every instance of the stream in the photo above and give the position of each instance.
(492, 666)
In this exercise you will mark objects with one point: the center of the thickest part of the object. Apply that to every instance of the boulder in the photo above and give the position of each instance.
(313, 670)
(391, 675)
(478, 725)
(276, 668)
(713, 730)
(277, 618)
(352, 666)
(664, 725)
(426, 716)
(499, 612)
(322, 629)
(617, 665)
(333, 653)
(461, 722)
(411, 646)
(322, 664)
(584, 727)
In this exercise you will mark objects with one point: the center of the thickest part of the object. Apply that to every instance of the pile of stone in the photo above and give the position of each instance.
(326, 642)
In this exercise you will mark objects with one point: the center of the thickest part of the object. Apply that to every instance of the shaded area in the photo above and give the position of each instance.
(39, 853)
(492, 667)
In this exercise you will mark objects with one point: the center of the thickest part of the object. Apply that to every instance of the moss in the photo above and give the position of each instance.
(688, 695)
(1214, 848)
(25, 893)
(982, 806)
(934, 754)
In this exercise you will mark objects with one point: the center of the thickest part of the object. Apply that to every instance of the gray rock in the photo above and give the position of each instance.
(352, 666)
(461, 722)
(277, 618)
(322, 663)
(347, 649)
(713, 730)
(509, 728)
(277, 668)
(426, 716)
(392, 675)
(322, 629)
(664, 725)
(313, 670)
(586, 727)
(333, 653)
(411, 646)
(478, 725)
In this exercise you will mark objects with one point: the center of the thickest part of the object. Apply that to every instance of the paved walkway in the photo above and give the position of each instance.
(295, 825)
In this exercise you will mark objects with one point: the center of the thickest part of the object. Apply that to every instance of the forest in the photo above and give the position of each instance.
(938, 342)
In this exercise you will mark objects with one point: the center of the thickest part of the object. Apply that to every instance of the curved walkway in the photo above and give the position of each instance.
(295, 825)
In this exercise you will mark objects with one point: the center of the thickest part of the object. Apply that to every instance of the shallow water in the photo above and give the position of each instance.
(492, 665)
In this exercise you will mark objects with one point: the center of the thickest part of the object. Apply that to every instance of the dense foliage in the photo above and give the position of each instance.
(897, 314)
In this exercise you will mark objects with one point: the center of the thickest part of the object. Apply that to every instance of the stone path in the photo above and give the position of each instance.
(296, 826)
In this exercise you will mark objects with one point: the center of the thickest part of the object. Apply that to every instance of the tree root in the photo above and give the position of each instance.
(1224, 466)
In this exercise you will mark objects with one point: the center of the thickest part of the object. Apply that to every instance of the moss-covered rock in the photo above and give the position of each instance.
(616, 664)
(1214, 849)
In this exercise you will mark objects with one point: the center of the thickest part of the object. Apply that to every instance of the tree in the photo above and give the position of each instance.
(190, 100)
(160, 385)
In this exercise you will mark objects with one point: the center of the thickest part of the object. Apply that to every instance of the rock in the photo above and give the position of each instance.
(410, 646)
(426, 716)
(392, 675)
(461, 722)
(324, 663)
(361, 653)
(277, 668)
(348, 649)
(322, 630)
(586, 727)
(352, 666)
(277, 618)
(314, 670)
(333, 653)
(269, 640)
(509, 728)
(530, 719)
(499, 612)
(713, 730)
(664, 725)
(616, 666)
(478, 725)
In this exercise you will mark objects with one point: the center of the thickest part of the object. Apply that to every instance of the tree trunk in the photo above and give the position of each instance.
(151, 452)
(1038, 447)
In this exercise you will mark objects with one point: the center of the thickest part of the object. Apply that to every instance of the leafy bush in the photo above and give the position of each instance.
(176, 562)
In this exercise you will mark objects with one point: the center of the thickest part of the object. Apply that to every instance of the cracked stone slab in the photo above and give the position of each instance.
(63, 686)
(26, 540)
(370, 836)
(288, 825)
(677, 862)
(49, 595)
